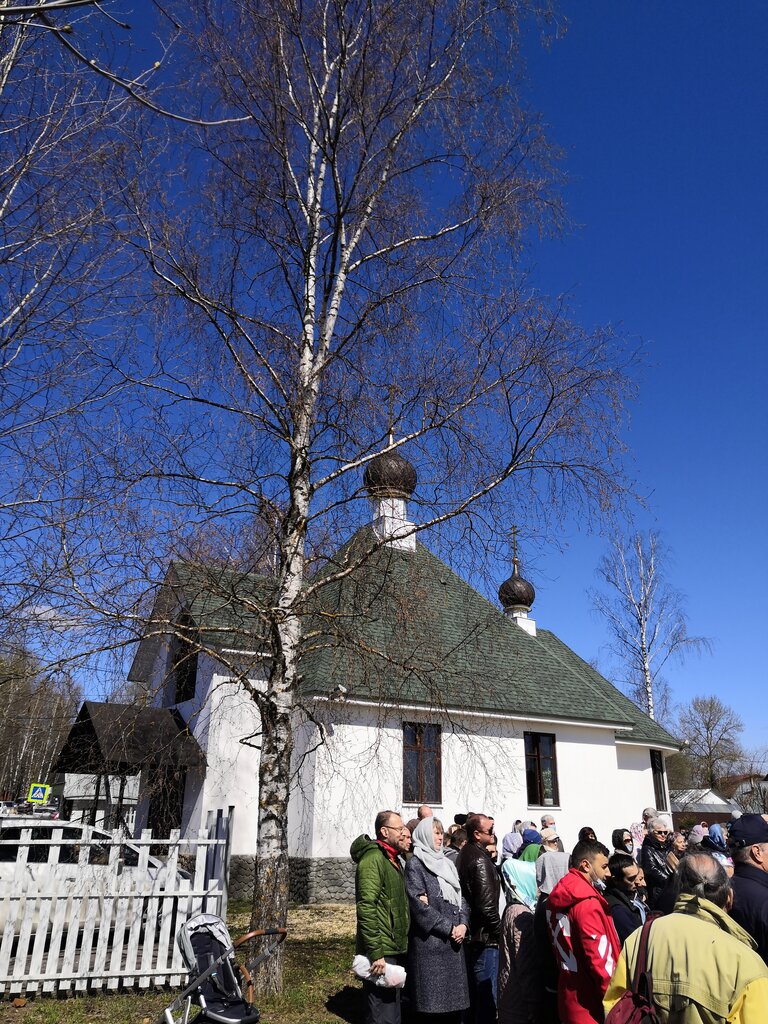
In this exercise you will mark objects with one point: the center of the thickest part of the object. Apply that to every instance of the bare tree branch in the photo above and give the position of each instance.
(644, 614)
(710, 730)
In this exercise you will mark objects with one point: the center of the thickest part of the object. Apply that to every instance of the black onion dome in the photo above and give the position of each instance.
(389, 475)
(516, 592)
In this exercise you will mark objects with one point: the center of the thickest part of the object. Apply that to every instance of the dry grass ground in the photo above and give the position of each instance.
(330, 921)
(319, 985)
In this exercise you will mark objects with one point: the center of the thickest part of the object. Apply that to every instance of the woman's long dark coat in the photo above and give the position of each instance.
(437, 973)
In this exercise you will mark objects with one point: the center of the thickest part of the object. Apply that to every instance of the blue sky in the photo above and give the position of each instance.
(662, 110)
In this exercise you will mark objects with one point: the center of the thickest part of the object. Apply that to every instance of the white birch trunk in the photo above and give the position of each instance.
(270, 898)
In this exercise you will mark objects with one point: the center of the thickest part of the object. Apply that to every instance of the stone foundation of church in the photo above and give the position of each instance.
(311, 879)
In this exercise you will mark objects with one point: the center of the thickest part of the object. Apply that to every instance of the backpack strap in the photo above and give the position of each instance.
(641, 981)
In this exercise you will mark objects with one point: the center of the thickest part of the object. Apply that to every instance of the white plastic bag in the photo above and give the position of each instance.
(393, 976)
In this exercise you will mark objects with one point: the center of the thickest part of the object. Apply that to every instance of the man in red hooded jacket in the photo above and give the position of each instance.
(583, 935)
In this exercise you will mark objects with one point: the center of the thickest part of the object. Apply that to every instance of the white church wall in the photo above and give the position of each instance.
(157, 682)
(301, 821)
(232, 725)
(339, 784)
(634, 762)
(359, 770)
(192, 816)
(159, 685)
(484, 769)
(220, 716)
(197, 712)
(594, 790)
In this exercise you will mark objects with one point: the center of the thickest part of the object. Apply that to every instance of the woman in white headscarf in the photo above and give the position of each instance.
(437, 972)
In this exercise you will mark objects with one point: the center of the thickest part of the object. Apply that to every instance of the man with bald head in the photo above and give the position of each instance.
(382, 910)
(703, 965)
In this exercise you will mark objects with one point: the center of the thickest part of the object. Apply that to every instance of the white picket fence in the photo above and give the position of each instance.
(70, 924)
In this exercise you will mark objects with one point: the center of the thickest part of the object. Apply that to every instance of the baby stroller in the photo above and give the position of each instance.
(218, 984)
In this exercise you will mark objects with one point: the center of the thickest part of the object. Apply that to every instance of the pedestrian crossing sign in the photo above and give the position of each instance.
(38, 793)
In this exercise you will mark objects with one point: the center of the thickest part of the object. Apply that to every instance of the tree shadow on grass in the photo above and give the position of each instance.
(347, 1004)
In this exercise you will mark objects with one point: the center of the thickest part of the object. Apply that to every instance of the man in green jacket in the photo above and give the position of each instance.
(703, 966)
(382, 910)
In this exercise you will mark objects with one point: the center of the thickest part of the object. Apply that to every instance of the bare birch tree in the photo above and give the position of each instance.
(336, 273)
(349, 273)
(645, 617)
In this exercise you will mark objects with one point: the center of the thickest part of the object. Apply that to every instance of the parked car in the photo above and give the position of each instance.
(27, 809)
(68, 877)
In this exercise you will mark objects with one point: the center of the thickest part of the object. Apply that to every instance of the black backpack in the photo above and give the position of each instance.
(636, 1005)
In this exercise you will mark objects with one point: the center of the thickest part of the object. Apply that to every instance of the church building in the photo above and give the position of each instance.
(414, 689)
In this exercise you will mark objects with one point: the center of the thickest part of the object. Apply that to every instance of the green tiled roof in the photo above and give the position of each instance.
(644, 729)
(226, 605)
(401, 627)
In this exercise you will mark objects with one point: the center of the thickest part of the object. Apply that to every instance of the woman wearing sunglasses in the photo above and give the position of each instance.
(653, 858)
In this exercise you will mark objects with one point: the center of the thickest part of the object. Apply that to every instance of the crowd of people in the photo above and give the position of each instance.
(522, 932)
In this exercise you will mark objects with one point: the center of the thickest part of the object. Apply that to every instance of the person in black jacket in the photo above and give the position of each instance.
(481, 888)
(653, 859)
(620, 893)
(748, 842)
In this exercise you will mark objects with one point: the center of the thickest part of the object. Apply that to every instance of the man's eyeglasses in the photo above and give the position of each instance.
(661, 831)
(484, 832)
